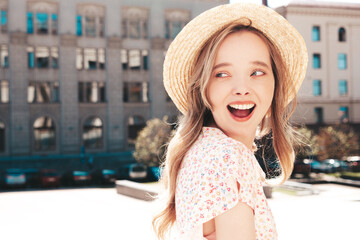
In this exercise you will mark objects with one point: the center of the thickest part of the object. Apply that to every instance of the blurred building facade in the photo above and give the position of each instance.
(84, 75)
(330, 93)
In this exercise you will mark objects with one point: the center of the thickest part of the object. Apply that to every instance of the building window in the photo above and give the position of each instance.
(136, 92)
(90, 20)
(90, 26)
(316, 61)
(31, 57)
(173, 28)
(175, 20)
(342, 35)
(315, 33)
(42, 17)
(44, 134)
(342, 63)
(344, 114)
(43, 92)
(319, 115)
(2, 136)
(134, 23)
(91, 92)
(4, 91)
(3, 20)
(343, 88)
(135, 124)
(54, 57)
(54, 23)
(78, 25)
(4, 56)
(93, 133)
(90, 58)
(30, 23)
(43, 57)
(135, 59)
(43, 23)
(317, 88)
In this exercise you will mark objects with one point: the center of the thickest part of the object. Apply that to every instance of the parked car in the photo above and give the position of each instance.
(353, 163)
(104, 176)
(50, 178)
(137, 171)
(77, 178)
(15, 178)
(328, 166)
(33, 177)
(302, 166)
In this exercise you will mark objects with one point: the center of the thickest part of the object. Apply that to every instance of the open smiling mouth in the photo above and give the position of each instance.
(241, 110)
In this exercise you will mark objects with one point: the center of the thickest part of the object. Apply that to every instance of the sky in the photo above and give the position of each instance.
(277, 3)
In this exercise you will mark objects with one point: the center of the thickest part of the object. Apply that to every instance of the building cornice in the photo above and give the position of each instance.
(68, 40)
(18, 38)
(319, 11)
(327, 101)
(114, 42)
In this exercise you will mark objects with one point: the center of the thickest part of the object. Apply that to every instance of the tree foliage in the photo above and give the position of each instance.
(308, 143)
(337, 142)
(150, 143)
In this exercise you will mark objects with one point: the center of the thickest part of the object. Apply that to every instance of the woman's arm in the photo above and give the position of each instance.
(236, 224)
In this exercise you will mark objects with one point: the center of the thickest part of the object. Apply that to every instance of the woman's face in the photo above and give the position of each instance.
(241, 86)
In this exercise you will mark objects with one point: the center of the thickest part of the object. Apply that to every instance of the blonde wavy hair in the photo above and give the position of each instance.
(199, 114)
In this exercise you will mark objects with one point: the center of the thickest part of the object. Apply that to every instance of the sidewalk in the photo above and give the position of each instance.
(101, 213)
(304, 211)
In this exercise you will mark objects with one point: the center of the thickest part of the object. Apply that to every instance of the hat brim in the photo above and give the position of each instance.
(185, 48)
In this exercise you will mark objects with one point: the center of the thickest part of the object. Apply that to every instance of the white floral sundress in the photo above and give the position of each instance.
(207, 185)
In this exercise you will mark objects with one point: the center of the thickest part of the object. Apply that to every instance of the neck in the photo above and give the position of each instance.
(247, 140)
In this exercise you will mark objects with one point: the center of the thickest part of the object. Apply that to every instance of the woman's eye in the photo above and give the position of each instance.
(257, 73)
(220, 75)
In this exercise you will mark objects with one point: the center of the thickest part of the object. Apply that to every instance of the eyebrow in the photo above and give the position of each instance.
(221, 65)
(260, 63)
(225, 64)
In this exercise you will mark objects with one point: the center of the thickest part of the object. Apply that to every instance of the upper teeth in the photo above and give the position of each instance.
(242, 106)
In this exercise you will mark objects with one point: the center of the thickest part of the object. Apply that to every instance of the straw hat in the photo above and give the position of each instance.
(184, 50)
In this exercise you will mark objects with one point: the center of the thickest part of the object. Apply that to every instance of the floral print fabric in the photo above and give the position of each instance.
(207, 185)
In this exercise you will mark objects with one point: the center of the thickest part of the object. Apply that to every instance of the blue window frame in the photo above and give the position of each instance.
(315, 33)
(344, 114)
(343, 88)
(3, 17)
(42, 23)
(30, 23)
(31, 60)
(319, 115)
(316, 61)
(317, 87)
(342, 63)
(78, 25)
(54, 23)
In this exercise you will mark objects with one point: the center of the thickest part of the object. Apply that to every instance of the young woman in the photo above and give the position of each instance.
(233, 72)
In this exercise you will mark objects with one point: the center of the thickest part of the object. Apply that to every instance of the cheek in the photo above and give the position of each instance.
(212, 94)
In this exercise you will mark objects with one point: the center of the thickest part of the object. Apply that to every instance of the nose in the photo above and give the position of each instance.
(241, 86)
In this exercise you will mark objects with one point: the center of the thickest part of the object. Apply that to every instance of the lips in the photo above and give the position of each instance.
(241, 111)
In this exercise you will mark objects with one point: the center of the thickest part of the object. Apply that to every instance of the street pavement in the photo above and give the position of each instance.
(101, 213)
